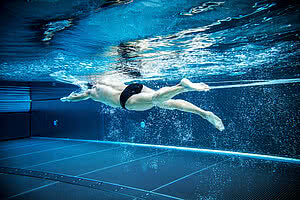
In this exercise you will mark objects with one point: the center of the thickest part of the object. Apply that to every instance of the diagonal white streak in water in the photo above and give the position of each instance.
(270, 82)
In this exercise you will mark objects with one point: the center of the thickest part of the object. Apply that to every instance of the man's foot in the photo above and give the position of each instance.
(194, 86)
(215, 120)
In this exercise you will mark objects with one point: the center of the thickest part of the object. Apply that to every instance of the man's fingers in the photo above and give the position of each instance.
(64, 99)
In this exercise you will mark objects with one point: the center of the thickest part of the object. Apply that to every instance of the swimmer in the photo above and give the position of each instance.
(138, 97)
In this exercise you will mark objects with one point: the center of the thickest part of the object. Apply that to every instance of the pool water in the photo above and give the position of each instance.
(246, 51)
(165, 40)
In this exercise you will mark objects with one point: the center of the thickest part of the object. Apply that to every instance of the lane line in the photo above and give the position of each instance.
(110, 183)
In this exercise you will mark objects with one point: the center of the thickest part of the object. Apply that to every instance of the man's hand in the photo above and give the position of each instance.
(65, 99)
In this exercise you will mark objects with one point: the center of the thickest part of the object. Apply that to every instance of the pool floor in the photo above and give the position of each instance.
(36, 168)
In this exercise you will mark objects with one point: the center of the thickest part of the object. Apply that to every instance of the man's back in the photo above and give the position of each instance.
(106, 94)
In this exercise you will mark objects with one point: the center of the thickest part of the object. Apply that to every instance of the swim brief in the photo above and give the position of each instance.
(132, 89)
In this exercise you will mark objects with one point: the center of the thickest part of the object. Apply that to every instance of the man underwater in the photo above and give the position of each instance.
(138, 97)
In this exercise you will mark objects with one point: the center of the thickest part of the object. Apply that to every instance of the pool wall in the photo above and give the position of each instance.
(14, 110)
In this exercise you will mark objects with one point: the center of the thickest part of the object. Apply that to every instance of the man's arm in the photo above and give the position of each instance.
(74, 97)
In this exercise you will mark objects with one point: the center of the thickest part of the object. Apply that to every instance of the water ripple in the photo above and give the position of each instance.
(207, 6)
(52, 27)
(152, 40)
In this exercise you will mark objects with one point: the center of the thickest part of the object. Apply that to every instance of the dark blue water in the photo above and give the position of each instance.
(158, 42)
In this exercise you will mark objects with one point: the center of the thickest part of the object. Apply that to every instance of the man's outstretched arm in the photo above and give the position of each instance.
(74, 97)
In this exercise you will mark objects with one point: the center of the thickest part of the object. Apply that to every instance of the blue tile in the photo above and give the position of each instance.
(62, 191)
(240, 179)
(15, 184)
(153, 172)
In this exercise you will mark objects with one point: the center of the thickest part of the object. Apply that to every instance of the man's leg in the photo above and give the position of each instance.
(185, 85)
(185, 106)
(74, 97)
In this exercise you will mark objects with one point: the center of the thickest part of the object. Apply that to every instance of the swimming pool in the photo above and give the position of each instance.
(246, 51)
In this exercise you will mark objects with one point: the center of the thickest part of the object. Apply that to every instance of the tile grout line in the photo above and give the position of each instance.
(34, 189)
(26, 154)
(28, 145)
(139, 189)
(186, 176)
(123, 163)
(89, 179)
(70, 157)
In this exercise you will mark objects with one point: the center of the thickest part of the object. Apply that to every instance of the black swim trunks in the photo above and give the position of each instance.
(132, 89)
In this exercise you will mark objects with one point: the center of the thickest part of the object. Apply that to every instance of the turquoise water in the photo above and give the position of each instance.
(165, 40)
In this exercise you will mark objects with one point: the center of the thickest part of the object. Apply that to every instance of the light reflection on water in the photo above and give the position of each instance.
(151, 40)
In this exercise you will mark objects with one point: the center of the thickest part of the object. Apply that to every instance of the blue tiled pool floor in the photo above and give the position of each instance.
(38, 168)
